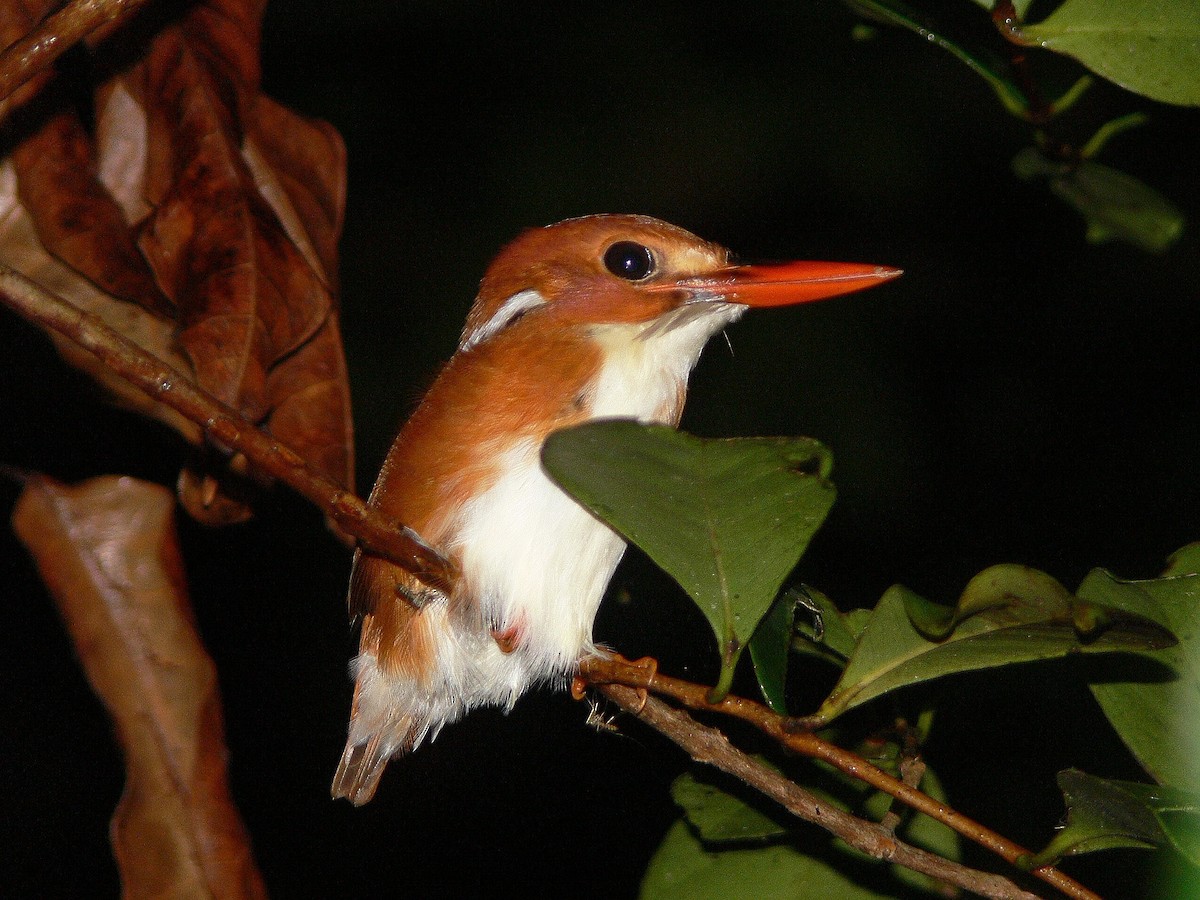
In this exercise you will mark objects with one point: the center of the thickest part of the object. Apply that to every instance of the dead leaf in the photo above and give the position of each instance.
(108, 552)
(75, 218)
(21, 249)
(310, 395)
(201, 220)
(299, 166)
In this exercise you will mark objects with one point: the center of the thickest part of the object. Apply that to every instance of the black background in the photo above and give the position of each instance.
(1020, 395)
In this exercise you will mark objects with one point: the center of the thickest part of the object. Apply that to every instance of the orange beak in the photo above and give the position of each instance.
(781, 284)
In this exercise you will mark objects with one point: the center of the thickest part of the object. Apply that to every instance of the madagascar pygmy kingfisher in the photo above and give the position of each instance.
(597, 317)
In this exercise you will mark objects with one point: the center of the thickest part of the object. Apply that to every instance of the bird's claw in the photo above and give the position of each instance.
(648, 665)
(640, 682)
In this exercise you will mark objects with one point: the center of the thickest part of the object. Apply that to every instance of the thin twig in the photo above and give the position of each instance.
(710, 746)
(609, 671)
(227, 428)
(54, 36)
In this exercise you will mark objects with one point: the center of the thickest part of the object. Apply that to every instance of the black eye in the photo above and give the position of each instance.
(628, 260)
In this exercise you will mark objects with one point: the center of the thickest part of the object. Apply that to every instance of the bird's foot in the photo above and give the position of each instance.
(648, 665)
(641, 680)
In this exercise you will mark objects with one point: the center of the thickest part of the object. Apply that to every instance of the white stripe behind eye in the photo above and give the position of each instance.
(509, 310)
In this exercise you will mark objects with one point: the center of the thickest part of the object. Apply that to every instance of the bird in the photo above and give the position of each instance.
(597, 317)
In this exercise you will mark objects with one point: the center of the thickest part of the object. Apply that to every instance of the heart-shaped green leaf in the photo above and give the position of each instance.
(1007, 614)
(727, 519)
(1153, 699)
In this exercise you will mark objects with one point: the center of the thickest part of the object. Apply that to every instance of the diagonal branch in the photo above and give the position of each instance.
(604, 672)
(227, 428)
(54, 36)
(710, 746)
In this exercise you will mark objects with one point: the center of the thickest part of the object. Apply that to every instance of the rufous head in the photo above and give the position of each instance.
(628, 269)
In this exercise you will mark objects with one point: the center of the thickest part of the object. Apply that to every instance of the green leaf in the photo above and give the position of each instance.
(1103, 814)
(684, 867)
(1116, 206)
(1152, 699)
(1151, 47)
(1007, 614)
(718, 816)
(727, 519)
(769, 651)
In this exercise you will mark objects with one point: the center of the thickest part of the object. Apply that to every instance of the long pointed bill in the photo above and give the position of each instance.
(783, 284)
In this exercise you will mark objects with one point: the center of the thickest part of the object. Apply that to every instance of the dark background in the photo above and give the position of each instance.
(1020, 395)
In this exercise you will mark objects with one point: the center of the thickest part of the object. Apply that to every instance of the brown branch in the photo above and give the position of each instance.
(710, 746)
(227, 428)
(54, 36)
(694, 696)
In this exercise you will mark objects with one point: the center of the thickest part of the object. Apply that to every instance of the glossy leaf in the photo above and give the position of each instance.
(199, 219)
(1007, 614)
(107, 550)
(1151, 47)
(1152, 699)
(1103, 814)
(728, 519)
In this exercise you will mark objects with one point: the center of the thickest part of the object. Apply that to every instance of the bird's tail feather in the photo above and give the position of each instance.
(360, 769)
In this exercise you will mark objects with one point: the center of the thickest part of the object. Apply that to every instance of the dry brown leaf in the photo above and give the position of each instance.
(75, 218)
(201, 220)
(310, 394)
(20, 249)
(108, 552)
(246, 296)
(299, 166)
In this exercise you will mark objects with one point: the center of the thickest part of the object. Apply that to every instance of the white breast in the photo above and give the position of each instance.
(539, 561)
